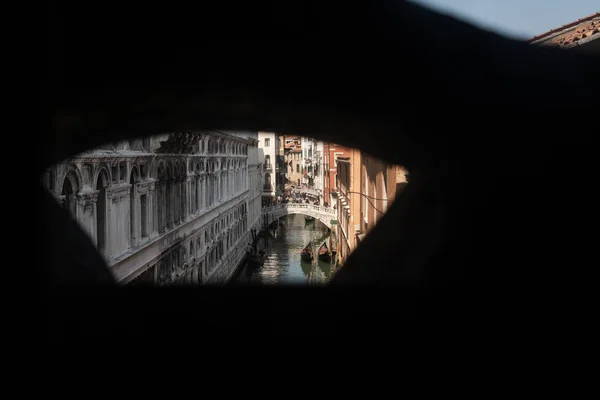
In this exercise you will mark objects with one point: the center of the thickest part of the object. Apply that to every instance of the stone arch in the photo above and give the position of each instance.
(135, 173)
(101, 169)
(157, 168)
(75, 173)
(169, 168)
(69, 190)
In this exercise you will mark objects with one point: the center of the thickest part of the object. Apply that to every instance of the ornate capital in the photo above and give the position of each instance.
(89, 197)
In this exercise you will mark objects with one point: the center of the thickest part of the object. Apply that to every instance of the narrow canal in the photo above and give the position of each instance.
(282, 259)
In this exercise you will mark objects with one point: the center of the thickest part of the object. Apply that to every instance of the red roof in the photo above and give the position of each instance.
(568, 35)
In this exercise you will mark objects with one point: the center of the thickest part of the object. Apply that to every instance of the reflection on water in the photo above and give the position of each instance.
(282, 260)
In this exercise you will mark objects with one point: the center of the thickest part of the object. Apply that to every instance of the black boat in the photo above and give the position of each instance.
(307, 253)
(324, 254)
(258, 260)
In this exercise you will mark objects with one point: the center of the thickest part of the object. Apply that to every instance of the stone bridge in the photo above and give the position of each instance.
(323, 214)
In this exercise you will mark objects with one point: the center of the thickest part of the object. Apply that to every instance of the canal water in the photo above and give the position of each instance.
(282, 259)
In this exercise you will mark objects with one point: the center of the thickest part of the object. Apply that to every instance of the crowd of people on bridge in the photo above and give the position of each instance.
(294, 195)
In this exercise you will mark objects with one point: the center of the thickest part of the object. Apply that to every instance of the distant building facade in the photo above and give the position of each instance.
(330, 153)
(280, 166)
(293, 160)
(312, 165)
(268, 148)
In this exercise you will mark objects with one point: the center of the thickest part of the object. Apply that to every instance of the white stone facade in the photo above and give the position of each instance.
(255, 179)
(268, 145)
(174, 208)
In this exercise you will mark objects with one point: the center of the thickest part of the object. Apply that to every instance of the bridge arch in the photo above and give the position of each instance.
(324, 214)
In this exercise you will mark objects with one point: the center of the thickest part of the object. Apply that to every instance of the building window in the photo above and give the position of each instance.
(267, 142)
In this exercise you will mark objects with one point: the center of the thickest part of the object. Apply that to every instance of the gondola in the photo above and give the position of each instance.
(307, 253)
(258, 260)
(324, 254)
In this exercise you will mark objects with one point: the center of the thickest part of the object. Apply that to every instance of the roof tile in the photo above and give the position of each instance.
(568, 35)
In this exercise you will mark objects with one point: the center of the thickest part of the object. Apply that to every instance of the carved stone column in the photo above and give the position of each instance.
(109, 210)
(152, 211)
(87, 201)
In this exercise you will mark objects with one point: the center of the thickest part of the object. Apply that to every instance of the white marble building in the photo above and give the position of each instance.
(167, 209)
(255, 179)
(268, 142)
